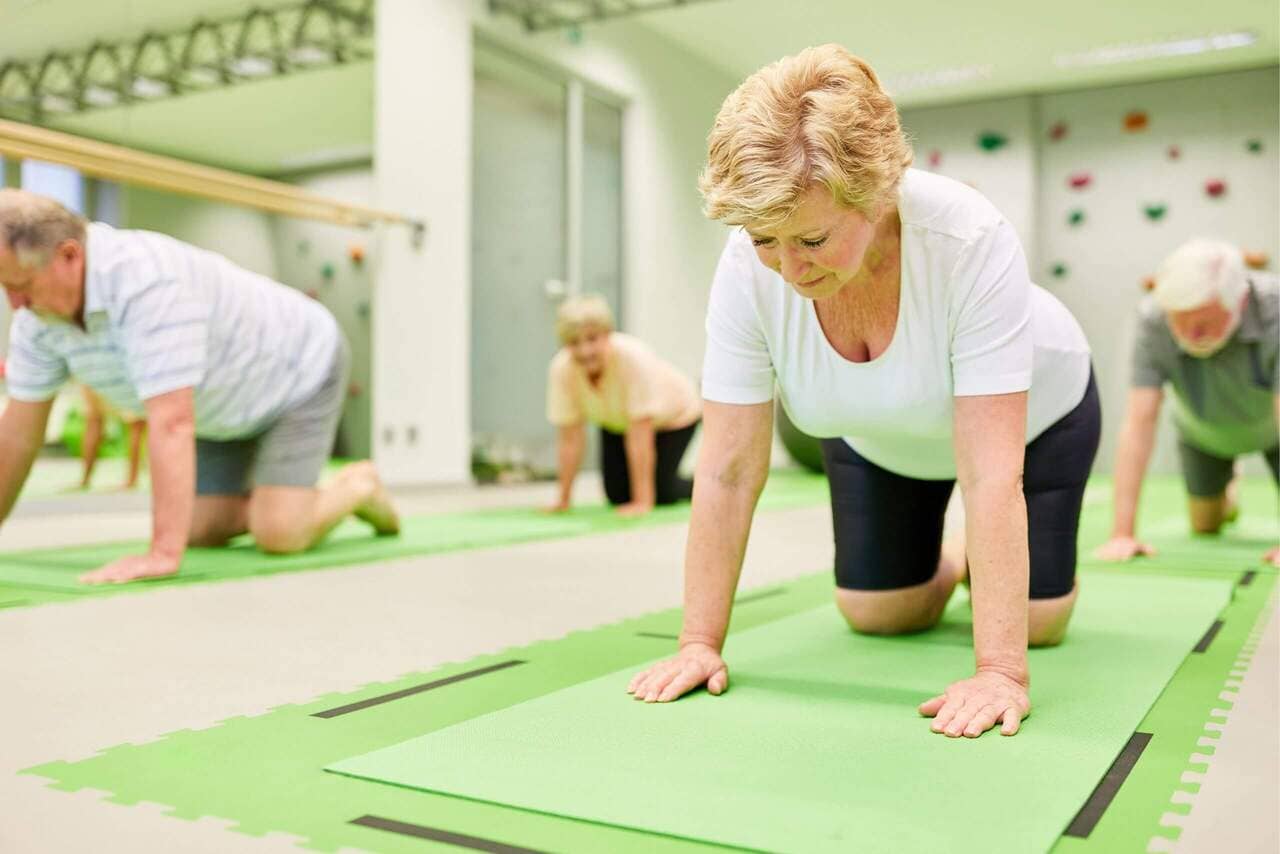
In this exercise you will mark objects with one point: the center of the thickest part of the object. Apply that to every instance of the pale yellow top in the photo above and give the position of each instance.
(636, 384)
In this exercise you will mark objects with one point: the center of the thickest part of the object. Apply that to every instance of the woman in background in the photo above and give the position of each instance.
(646, 409)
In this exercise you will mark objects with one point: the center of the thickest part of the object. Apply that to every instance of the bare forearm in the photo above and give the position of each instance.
(16, 457)
(173, 486)
(999, 568)
(641, 457)
(570, 461)
(718, 529)
(1137, 438)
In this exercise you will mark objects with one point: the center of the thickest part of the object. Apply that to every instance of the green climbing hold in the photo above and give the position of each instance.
(1155, 213)
(327, 271)
(1254, 146)
(1058, 270)
(362, 310)
(304, 246)
(1075, 217)
(990, 140)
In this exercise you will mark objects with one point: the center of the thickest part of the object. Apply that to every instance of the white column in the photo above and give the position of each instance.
(421, 302)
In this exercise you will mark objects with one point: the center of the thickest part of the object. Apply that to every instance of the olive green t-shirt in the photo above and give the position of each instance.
(1223, 404)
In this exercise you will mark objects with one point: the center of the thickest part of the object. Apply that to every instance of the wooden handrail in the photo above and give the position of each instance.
(128, 166)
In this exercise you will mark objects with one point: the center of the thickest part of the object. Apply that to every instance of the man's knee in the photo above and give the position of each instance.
(281, 539)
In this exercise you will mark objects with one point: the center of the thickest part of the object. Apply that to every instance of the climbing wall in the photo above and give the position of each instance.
(1101, 184)
(988, 145)
(335, 265)
(1125, 175)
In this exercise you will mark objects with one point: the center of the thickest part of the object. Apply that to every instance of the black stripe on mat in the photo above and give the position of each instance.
(763, 594)
(657, 635)
(416, 689)
(1248, 577)
(1091, 813)
(475, 843)
(1203, 645)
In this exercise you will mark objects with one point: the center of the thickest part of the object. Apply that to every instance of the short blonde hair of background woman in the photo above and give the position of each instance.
(584, 312)
(820, 116)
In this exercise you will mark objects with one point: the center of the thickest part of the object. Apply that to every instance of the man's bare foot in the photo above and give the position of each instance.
(377, 509)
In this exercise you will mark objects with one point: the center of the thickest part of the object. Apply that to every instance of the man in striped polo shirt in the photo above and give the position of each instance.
(242, 380)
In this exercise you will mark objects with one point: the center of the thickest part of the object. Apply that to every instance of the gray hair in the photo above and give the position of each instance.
(32, 226)
(1198, 272)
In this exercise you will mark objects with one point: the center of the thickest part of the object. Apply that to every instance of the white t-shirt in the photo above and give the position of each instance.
(162, 315)
(970, 322)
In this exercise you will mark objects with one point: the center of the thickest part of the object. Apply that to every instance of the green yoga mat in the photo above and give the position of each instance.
(816, 747)
(57, 570)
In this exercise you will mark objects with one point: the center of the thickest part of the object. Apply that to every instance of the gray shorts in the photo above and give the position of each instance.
(1207, 475)
(291, 452)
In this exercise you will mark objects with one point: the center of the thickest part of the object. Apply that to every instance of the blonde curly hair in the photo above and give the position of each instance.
(820, 116)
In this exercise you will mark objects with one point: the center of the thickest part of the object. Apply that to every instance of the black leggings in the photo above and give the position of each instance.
(888, 528)
(669, 447)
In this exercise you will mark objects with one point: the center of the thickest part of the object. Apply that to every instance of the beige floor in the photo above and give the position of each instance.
(84, 676)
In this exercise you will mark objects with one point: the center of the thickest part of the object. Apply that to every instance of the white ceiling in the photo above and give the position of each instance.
(259, 126)
(1017, 38)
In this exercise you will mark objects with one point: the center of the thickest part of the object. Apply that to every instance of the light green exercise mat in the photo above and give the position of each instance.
(816, 746)
(58, 570)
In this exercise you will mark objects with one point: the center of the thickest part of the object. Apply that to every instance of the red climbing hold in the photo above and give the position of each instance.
(1135, 120)
(1057, 131)
(1174, 152)
(1215, 187)
(935, 159)
(1079, 180)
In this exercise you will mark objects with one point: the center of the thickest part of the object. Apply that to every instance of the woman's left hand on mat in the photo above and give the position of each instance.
(972, 706)
(132, 568)
(1272, 557)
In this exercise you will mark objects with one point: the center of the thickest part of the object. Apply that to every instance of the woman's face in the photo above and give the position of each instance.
(819, 248)
(590, 348)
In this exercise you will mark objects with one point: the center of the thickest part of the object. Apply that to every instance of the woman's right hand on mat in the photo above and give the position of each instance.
(1123, 548)
(695, 665)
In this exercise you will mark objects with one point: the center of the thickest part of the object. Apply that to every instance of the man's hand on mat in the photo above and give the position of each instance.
(972, 706)
(634, 509)
(1123, 548)
(132, 568)
(696, 665)
(1272, 557)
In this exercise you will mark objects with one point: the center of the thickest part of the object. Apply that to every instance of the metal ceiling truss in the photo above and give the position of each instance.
(259, 44)
(556, 14)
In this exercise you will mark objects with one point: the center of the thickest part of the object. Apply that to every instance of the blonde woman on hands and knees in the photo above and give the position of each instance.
(646, 409)
(1210, 331)
(241, 378)
(894, 311)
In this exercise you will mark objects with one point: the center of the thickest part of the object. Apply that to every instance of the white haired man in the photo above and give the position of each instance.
(1212, 333)
(241, 378)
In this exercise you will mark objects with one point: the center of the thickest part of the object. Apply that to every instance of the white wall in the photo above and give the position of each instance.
(241, 234)
(421, 306)
(1006, 176)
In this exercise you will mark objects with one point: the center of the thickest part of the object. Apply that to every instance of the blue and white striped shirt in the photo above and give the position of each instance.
(162, 315)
